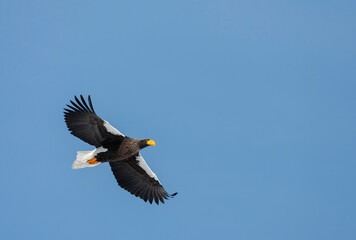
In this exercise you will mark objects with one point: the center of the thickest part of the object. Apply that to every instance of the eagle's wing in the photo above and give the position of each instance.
(135, 176)
(83, 123)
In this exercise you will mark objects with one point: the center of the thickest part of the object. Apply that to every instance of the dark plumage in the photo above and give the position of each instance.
(122, 152)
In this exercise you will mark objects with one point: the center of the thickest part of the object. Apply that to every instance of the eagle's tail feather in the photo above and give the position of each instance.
(82, 160)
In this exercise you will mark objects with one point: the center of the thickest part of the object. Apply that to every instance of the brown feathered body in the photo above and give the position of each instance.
(122, 150)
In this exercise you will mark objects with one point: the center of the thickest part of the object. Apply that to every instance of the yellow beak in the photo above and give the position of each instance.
(151, 142)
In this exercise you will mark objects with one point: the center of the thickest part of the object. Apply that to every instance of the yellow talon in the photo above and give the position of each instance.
(93, 161)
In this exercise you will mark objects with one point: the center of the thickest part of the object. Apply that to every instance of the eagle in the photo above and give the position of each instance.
(122, 152)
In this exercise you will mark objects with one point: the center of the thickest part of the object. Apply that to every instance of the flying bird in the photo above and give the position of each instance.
(122, 153)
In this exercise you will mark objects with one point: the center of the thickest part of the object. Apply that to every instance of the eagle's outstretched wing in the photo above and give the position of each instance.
(135, 176)
(83, 123)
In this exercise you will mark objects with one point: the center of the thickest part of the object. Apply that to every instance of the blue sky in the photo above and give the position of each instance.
(251, 104)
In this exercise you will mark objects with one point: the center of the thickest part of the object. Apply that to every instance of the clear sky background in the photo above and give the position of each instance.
(251, 104)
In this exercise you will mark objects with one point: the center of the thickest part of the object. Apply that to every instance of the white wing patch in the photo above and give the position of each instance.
(111, 129)
(144, 166)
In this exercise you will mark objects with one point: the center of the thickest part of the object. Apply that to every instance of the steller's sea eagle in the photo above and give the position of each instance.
(130, 170)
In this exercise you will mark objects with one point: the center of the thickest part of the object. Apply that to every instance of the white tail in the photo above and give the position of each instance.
(84, 156)
(82, 159)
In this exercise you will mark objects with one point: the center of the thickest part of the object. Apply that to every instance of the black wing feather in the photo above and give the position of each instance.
(90, 104)
(85, 104)
(80, 104)
(131, 177)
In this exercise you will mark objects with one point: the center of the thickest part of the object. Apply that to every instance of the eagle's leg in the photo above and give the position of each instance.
(93, 161)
